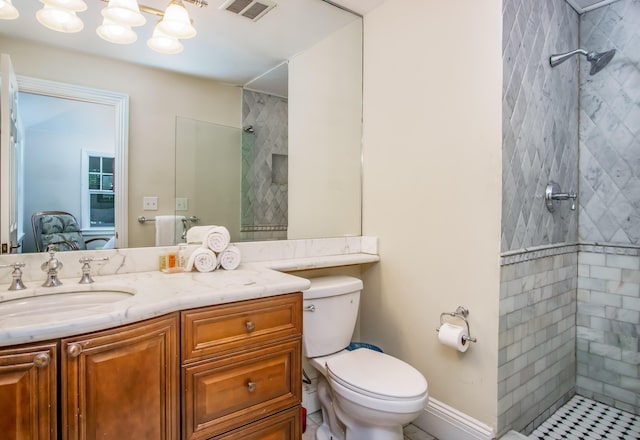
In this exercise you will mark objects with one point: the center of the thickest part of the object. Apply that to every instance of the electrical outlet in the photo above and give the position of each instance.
(182, 204)
(150, 203)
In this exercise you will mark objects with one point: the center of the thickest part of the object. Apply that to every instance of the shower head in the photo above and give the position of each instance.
(598, 60)
(248, 129)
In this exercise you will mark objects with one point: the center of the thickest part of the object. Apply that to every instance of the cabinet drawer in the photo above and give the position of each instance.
(238, 326)
(229, 392)
(282, 426)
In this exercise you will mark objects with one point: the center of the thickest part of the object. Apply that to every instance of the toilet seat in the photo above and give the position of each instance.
(376, 375)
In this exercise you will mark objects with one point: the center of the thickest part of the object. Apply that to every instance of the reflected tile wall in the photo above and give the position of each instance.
(264, 198)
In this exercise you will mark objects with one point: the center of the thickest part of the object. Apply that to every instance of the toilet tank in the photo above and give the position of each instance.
(330, 314)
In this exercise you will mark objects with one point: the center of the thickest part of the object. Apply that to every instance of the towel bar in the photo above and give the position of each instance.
(142, 219)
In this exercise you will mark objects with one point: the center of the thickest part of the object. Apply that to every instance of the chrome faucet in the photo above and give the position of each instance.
(52, 267)
(86, 269)
(16, 283)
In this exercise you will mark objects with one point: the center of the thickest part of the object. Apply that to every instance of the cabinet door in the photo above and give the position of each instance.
(28, 392)
(122, 383)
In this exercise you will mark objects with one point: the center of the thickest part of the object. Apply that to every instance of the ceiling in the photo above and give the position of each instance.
(228, 48)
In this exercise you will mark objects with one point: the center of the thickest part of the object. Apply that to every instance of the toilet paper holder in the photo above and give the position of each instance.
(461, 312)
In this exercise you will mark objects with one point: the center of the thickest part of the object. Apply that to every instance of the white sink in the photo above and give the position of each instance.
(61, 299)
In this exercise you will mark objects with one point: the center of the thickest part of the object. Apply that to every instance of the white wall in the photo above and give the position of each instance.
(155, 98)
(325, 114)
(432, 189)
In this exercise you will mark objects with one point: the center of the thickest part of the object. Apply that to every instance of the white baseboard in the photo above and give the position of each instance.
(447, 423)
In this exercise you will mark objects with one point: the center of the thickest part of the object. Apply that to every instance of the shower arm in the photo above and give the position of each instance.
(554, 60)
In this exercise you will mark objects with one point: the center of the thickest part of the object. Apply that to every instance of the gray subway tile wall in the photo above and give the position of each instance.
(536, 367)
(608, 317)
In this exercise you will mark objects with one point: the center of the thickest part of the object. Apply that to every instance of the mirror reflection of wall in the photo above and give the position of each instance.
(61, 139)
(208, 167)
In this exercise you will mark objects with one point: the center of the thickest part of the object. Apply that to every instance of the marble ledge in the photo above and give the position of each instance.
(261, 274)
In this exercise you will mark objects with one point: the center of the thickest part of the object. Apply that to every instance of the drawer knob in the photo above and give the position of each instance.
(41, 360)
(250, 326)
(74, 350)
(251, 386)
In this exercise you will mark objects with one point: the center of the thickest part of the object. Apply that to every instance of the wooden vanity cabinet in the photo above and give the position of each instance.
(28, 403)
(241, 370)
(122, 383)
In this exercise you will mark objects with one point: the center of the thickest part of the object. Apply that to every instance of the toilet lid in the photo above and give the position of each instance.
(377, 374)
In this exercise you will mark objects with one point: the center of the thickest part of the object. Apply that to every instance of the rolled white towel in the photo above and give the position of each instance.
(196, 234)
(203, 259)
(229, 258)
(216, 238)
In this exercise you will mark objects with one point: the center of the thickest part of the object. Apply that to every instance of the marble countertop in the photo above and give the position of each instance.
(155, 294)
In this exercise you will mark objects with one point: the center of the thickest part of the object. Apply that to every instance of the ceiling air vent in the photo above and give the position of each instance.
(252, 9)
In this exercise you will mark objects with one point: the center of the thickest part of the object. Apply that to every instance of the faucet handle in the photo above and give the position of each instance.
(86, 268)
(16, 283)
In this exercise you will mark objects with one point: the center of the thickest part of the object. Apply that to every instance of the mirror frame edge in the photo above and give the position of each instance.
(120, 103)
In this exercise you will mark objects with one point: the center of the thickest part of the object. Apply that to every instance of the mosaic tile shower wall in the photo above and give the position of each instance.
(264, 200)
(540, 116)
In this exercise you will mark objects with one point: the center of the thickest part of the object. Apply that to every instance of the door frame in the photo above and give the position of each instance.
(120, 104)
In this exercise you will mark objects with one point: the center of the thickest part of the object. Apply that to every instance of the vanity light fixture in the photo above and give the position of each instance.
(163, 43)
(8, 11)
(60, 15)
(119, 16)
(115, 32)
(176, 22)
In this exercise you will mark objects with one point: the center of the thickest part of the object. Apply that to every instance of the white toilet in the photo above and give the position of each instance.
(364, 394)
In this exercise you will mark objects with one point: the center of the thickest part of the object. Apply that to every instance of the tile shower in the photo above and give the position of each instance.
(264, 195)
(570, 281)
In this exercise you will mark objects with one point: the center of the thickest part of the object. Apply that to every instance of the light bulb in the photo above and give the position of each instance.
(163, 43)
(126, 12)
(60, 20)
(176, 22)
(116, 33)
(8, 11)
(69, 5)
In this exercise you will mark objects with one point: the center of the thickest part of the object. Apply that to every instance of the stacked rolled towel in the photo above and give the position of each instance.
(203, 259)
(229, 258)
(216, 238)
(215, 244)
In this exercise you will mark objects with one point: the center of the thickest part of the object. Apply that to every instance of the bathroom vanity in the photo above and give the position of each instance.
(174, 356)
(240, 365)
(231, 370)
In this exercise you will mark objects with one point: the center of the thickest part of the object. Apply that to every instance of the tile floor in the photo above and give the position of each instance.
(584, 419)
(411, 432)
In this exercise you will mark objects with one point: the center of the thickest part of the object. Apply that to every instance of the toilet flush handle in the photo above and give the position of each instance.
(310, 308)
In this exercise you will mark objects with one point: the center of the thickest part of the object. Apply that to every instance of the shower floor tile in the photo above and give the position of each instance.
(584, 419)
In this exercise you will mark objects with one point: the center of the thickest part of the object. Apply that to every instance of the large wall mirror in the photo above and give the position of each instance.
(194, 118)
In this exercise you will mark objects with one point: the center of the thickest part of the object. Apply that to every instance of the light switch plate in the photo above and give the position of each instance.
(150, 203)
(182, 204)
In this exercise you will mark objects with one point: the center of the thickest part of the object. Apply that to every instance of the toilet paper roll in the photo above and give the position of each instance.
(452, 336)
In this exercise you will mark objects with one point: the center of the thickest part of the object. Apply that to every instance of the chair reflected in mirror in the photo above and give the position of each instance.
(62, 230)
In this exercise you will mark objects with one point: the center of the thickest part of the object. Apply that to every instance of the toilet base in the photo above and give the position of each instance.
(324, 433)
